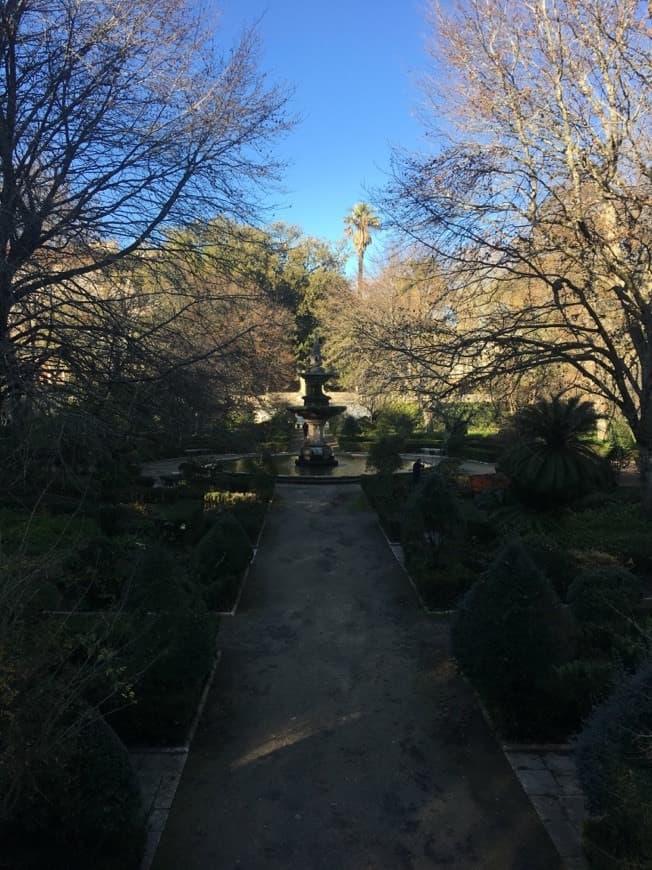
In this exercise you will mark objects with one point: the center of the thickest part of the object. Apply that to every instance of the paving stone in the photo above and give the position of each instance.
(151, 845)
(149, 779)
(575, 808)
(166, 791)
(148, 799)
(164, 762)
(565, 837)
(561, 764)
(569, 785)
(157, 820)
(548, 807)
(525, 760)
(538, 782)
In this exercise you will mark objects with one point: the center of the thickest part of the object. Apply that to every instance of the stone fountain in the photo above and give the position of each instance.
(316, 410)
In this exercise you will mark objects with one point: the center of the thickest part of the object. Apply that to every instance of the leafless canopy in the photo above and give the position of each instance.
(538, 206)
(118, 121)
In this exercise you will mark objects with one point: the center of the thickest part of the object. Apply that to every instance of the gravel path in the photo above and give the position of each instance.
(337, 734)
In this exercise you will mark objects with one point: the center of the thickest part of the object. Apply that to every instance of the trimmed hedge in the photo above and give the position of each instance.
(615, 769)
(555, 561)
(246, 507)
(219, 561)
(84, 808)
(432, 531)
(165, 643)
(605, 597)
(169, 656)
(605, 603)
(508, 635)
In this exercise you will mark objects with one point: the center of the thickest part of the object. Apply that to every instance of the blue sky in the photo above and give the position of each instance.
(353, 66)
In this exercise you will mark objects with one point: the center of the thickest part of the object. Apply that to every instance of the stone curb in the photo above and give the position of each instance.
(556, 796)
(159, 771)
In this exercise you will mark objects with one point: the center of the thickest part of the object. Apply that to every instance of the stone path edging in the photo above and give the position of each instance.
(159, 769)
(159, 772)
(546, 772)
(549, 779)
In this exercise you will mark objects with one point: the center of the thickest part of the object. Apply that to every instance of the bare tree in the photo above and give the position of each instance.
(117, 122)
(540, 205)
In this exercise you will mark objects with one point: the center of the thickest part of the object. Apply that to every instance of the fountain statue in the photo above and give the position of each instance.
(316, 411)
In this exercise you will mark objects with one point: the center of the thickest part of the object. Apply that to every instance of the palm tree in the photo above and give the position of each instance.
(357, 226)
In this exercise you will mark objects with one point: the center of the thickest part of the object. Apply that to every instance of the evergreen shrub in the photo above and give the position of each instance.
(169, 656)
(556, 562)
(575, 689)
(615, 769)
(432, 531)
(181, 522)
(220, 559)
(605, 596)
(84, 808)
(158, 583)
(246, 507)
(387, 495)
(163, 646)
(399, 418)
(605, 603)
(508, 635)
(385, 454)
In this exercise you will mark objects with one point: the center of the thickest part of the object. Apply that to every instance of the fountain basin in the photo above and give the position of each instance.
(349, 466)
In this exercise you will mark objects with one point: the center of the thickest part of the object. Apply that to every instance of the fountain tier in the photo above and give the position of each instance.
(316, 410)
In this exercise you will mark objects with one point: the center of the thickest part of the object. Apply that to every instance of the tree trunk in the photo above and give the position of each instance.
(645, 472)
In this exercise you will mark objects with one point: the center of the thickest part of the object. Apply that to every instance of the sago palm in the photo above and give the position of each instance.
(551, 462)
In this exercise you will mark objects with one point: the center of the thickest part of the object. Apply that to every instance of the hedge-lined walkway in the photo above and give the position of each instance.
(337, 734)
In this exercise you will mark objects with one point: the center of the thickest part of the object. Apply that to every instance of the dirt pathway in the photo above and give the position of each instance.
(337, 734)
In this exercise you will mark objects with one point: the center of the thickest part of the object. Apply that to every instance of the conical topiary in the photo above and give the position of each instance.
(508, 635)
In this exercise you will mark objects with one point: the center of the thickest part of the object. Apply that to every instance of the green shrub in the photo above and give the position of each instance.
(387, 494)
(158, 583)
(251, 517)
(219, 561)
(84, 807)
(399, 418)
(432, 533)
(605, 596)
(181, 522)
(614, 767)
(605, 601)
(345, 427)
(169, 655)
(89, 575)
(575, 688)
(555, 561)
(442, 587)
(248, 509)
(385, 454)
(508, 635)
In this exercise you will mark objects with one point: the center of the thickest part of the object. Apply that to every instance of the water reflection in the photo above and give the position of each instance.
(349, 465)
